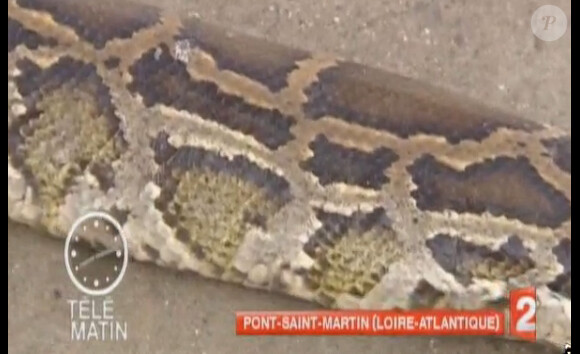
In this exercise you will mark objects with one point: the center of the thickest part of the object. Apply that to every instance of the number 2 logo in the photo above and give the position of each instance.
(526, 323)
(523, 308)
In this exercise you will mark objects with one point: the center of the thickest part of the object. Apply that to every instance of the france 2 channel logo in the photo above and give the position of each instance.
(523, 308)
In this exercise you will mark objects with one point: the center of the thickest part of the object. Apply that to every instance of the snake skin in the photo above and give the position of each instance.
(275, 168)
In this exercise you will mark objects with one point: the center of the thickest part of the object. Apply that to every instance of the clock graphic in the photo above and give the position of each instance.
(96, 269)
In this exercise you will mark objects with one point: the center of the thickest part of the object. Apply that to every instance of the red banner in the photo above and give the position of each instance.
(428, 322)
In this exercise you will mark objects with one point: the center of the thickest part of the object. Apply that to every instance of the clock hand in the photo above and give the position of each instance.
(97, 256)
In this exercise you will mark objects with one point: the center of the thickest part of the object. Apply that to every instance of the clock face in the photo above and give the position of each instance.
(98, 269)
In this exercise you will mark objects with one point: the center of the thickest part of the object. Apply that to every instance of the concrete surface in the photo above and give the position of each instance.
(483, 49)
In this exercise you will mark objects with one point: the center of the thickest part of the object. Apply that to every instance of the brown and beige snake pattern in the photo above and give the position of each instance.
(254, 163)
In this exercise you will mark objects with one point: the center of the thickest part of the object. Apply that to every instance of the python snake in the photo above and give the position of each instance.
(301, 173)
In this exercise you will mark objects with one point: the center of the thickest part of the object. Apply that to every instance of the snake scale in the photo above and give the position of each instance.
(275, 168)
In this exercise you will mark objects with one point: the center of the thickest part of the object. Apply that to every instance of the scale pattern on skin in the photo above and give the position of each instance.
(275, 168)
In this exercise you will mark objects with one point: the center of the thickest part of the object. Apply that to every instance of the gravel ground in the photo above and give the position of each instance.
(482, 49)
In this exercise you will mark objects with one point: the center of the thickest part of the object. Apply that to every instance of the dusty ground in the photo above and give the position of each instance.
(482, 49)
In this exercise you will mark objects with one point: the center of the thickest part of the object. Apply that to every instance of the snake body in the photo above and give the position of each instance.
(301, 173)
